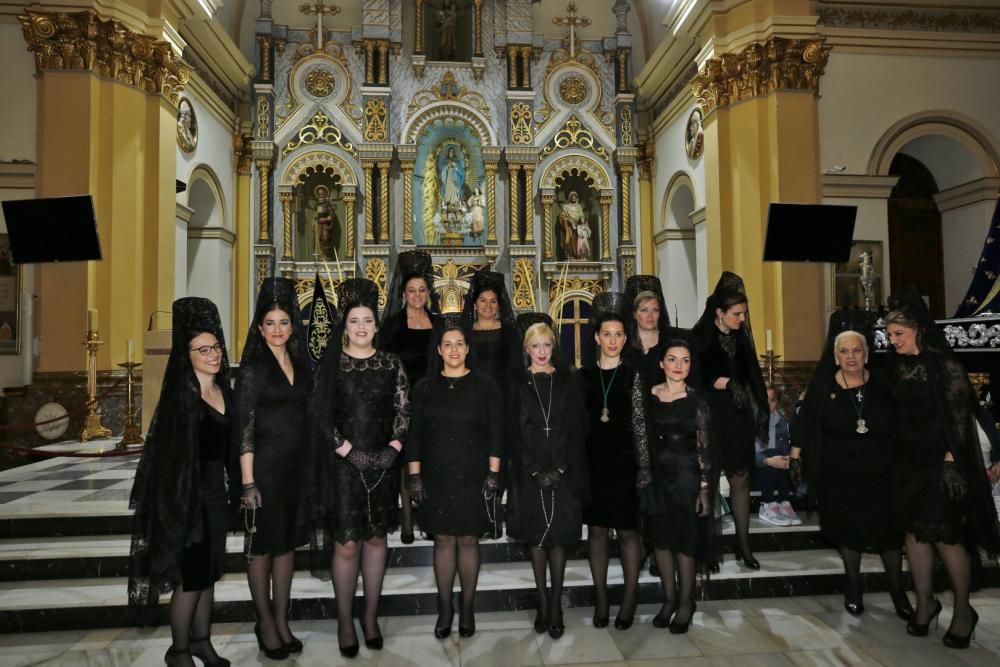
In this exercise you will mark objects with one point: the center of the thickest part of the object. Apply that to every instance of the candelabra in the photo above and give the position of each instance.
(769, 357)
(132, 434)
(92, 427)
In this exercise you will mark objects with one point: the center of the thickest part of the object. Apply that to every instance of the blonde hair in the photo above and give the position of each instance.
(642, 296)
(902, 319)
(848, 333)
(537, 330)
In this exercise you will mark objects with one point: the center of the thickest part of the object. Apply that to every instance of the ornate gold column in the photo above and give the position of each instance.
(529, 203)
(477, 35)
(367, 167)
(383, 63)
(626, 172)
(286, 208)
(514, 208)
(265, 57)
(606, 200)
(511, 66)
(264, 174)
(622, 70)
(407, 168)
(647, 170)
(548, 202)
(383, 222)
(418, 38)
(349, 199)
(491, 202)
(526, 64)
(369, 61)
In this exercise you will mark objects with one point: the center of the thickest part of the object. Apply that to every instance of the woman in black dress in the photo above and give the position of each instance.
(453, 451)
(944, 495)
(680, 496)
(648, 328)
(406, 332)
(845, 433)
(548, 465)
(272, 393)
(731, 376)
(361, 415)
(618, 456)
(179, 494)
(489, 316)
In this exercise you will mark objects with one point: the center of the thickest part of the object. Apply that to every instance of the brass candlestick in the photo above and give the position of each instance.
(92, 426)
(769, 358)
(132, 435)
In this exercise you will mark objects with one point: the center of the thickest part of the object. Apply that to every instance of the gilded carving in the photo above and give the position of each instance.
(319, 129)
(760, 69)
(448, 90)
(82, 41)
(320, 82)
(573, 90)
(524, 284)
(520, 121)
(628, 267)
(375, 271)
(242, 154)
(375, 116)
(574, 133)
(561, 286)
(263, 118)
(626, 125)
(866, 17)
(263, 268)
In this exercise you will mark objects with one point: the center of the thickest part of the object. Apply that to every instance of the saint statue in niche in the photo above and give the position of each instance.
(477, 220)
(448, 30)
(447, 21)
(451, 176)
(327, 223)
(574, 229)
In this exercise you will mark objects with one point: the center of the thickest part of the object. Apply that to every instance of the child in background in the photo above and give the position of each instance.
(772, 468)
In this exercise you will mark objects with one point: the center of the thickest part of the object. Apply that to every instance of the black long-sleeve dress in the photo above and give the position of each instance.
(616, 448)
(371, 409)
(679, 442)
(272, 420)
(457, 426)
(851, 474)
(536, 517)
(411, 345)
(732, 413)
(492, 351)
(647, 362)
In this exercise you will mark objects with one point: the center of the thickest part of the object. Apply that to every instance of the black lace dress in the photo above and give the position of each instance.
(272, 420)
(536, 517)
(855, 470)
(615, 448)
(679, 449)
(203, 562)
(371, 409)
(732, 414)
(457, 426)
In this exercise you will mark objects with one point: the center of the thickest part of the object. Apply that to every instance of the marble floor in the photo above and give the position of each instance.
(783, 631)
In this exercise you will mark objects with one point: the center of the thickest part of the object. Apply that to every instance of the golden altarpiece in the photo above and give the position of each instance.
(453, 127)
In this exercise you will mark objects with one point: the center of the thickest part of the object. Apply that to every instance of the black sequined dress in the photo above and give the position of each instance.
(457, 426)
(679, 440)
(371, 409)
(615, 448)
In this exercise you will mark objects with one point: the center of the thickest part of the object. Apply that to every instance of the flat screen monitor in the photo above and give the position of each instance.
(52, 229)
(809, 232)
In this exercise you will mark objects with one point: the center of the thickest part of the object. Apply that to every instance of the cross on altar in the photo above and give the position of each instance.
(319, 9)
(571, 20)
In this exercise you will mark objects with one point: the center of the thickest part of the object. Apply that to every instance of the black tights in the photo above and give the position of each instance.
(674, 600)
(272, 574)
(956, 562)
(405, 508)
(549, 606)
(459, 554)
(370, 557)
(739, 502)
(892, 561)
(191, 617)
(630, 554)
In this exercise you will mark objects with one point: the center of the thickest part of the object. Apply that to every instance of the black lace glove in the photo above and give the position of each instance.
(491, 485)
(548, 479)
(386, 457)
(951, 481)
(795, 472)
(703, 505)
(739, 396)
(643, 478)
(250, 498)
(415, 485)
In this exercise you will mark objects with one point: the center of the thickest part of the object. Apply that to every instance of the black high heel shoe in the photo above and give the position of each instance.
(904, 610)
(374, 643)
(541, 625)
(601, 621)
(915, 629)
(206, 656)
(176, 656)
(662, 620)
(443, 629)
(854, 608)
(279, 653)
(556, 628)
(294, 646)
(748, 559)
(954, 641)
(624, 623)
(682, 628)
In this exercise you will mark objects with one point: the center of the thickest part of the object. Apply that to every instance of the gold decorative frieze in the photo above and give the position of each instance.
(83, 41)
(375, 116)
(520, 123)
(574, 133)
(760, 69)
(448, 90)
(263, 117)
(375, 271)
(319, 129)
(626, 125)
(900, 18)
(560, 286)
(523, 280)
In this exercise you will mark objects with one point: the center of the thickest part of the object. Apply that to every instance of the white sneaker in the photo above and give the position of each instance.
(771, 513)
(789, 512)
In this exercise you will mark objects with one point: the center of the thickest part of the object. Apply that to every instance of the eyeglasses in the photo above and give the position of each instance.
(206, 350)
